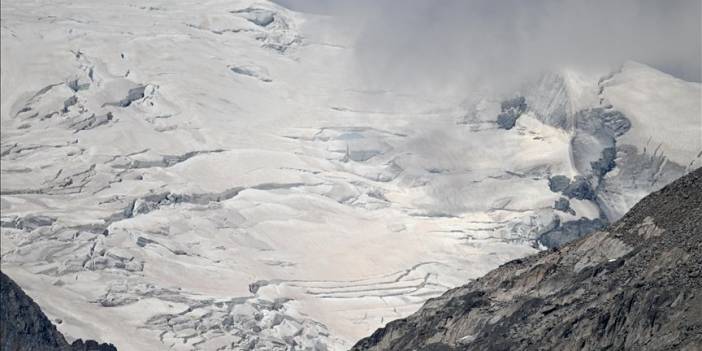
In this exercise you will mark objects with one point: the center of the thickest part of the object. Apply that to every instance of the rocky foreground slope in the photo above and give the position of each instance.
(636, 285)
(23, 326)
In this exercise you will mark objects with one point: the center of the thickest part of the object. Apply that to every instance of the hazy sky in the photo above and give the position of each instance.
(440, 42)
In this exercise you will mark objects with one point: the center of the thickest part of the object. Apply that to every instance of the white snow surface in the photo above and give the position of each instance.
(650, 97)
(209, 175)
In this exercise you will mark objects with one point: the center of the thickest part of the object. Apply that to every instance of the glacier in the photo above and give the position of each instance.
(217, 175)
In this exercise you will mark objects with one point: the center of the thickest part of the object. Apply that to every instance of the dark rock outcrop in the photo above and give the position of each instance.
(637, 285)
(558, 183)
(605, 163)
(563, 205)
(511, 110)
(24, 327)
(580, 189)
(566, 232)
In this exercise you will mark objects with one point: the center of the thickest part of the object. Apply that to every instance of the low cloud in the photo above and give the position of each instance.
(455, 44)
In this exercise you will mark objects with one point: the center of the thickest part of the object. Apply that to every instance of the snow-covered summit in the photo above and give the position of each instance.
(665, 112)
(633, 130)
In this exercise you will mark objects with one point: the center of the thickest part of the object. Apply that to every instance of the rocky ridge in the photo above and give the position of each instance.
(635, 285)
(24, 326)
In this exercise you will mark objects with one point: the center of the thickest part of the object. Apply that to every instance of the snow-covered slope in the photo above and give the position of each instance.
(664, 110)
(664, 139)
(633, 131)
(556, 96)
(217, 175)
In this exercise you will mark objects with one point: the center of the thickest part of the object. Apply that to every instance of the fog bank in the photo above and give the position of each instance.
(453, 44)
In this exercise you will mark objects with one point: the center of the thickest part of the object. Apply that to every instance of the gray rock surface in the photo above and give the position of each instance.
(569, 231)
(580, 189)
(558, 183)
(635, 286)
(511, 110)
(563, 205)
(23, 326)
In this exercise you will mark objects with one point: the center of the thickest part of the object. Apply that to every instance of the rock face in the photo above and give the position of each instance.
(23, 326)
(511, 110)
(636, 285)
